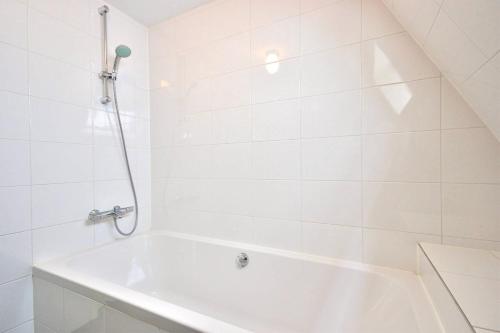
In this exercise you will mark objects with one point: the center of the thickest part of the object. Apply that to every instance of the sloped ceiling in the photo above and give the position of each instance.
(463, 38)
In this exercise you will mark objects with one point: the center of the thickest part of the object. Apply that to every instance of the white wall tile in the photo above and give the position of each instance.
(104, 191)
(23, 328)
(332, 241)
(231, 90)
(446, 307)
(276, 199)
(65, 43)
(232, 125)
(161, 162)
(105, 128)
(14, 163)
(482, 92)
(354, 143)
(226, 19)
(17, 303)
(331, 115)
(48, 304)
(192, 65)
(478, 330)
(281, 38)
(109, 163)
(455, 54)
(270, 86)
(309, 5)
(194, 129)
(15, 256)
(13, 15)
(332, 158)
(268, 11)
(332, 26)
(402, 157)
(394, 59)
(13, 69)
(455, 112)
(118, 322)
(470, 156)
(59, 81)
(59, 72)
(471, 211)
(60, 240)
(377, 20)
(411, 106)
(221, 226)
(14, 116)
(332, 202)
(231, 160)
(164, 67)
(479, 21)
(418, 16)
(276, 120)
(403, 206)
(276, 160)
(471, 243)
(82, 314)
(59, 203)
(73, 12)
(393, 248)
(282, 234)
(461, 41)
(56, 122)
(229, 54)
(331, 71)
(225, 196)
(60, 162)
(194, 162)
(15, 203)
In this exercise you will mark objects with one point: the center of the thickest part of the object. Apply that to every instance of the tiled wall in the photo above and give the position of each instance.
(61, 310)
(59, 150)
(351, 146)
(463, 38)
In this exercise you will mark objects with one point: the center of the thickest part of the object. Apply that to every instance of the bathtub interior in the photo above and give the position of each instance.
(274, 293)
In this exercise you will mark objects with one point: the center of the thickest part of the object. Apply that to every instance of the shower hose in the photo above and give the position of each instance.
(127, 163)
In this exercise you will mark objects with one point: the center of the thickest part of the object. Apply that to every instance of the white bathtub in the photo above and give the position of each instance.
(191, 284)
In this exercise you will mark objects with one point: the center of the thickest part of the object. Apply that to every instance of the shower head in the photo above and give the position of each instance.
(122, 51)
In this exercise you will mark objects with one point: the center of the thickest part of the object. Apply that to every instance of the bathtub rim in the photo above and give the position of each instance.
(169, 316)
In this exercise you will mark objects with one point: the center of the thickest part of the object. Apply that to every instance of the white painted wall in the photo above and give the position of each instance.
(59, 150)
(355, 148)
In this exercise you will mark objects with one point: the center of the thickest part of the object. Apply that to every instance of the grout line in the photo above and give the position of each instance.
(11, 329)
(442, 8)
(300, 55)
(30, 136)
(362, 144)
(488, 60)
(381, 181)
(16, 232)
(16, 279)
(300, 96)
(426, 36)
(441, 193)
(435, 270)
(471, 275)
(187, 145)
(302, 246)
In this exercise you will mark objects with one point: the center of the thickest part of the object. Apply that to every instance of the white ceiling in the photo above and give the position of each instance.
(150, 12)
